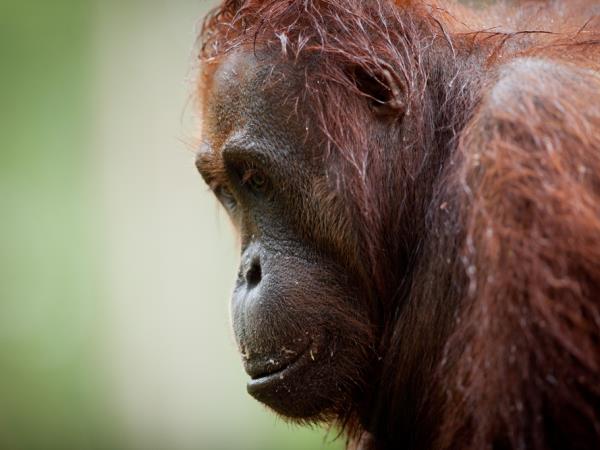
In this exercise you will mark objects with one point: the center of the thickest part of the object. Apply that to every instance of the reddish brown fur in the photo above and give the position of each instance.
(513, 274)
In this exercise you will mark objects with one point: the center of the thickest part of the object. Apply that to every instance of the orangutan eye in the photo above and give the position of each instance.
(256, 180)
(226, 198)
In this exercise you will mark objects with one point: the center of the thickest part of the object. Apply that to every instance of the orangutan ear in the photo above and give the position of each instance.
(383, 90)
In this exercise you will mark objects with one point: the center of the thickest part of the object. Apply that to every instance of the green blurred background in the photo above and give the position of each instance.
(115, 263)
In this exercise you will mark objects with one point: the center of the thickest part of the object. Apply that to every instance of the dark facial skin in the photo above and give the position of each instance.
(299, 311)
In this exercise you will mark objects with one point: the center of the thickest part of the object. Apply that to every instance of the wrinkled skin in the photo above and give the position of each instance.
(299, 305)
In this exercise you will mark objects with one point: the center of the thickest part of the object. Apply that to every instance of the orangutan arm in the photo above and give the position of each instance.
(530, 347)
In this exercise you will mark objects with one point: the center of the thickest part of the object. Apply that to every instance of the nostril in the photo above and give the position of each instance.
(254, 273)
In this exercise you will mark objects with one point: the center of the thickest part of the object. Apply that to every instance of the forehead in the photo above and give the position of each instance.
(249, 97)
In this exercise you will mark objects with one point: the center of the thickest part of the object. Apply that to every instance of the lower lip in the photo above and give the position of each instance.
(271, 380)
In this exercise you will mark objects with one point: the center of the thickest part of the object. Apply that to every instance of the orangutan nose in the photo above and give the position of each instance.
(253, 272)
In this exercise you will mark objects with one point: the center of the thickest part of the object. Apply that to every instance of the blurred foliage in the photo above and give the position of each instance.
(49, 286)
